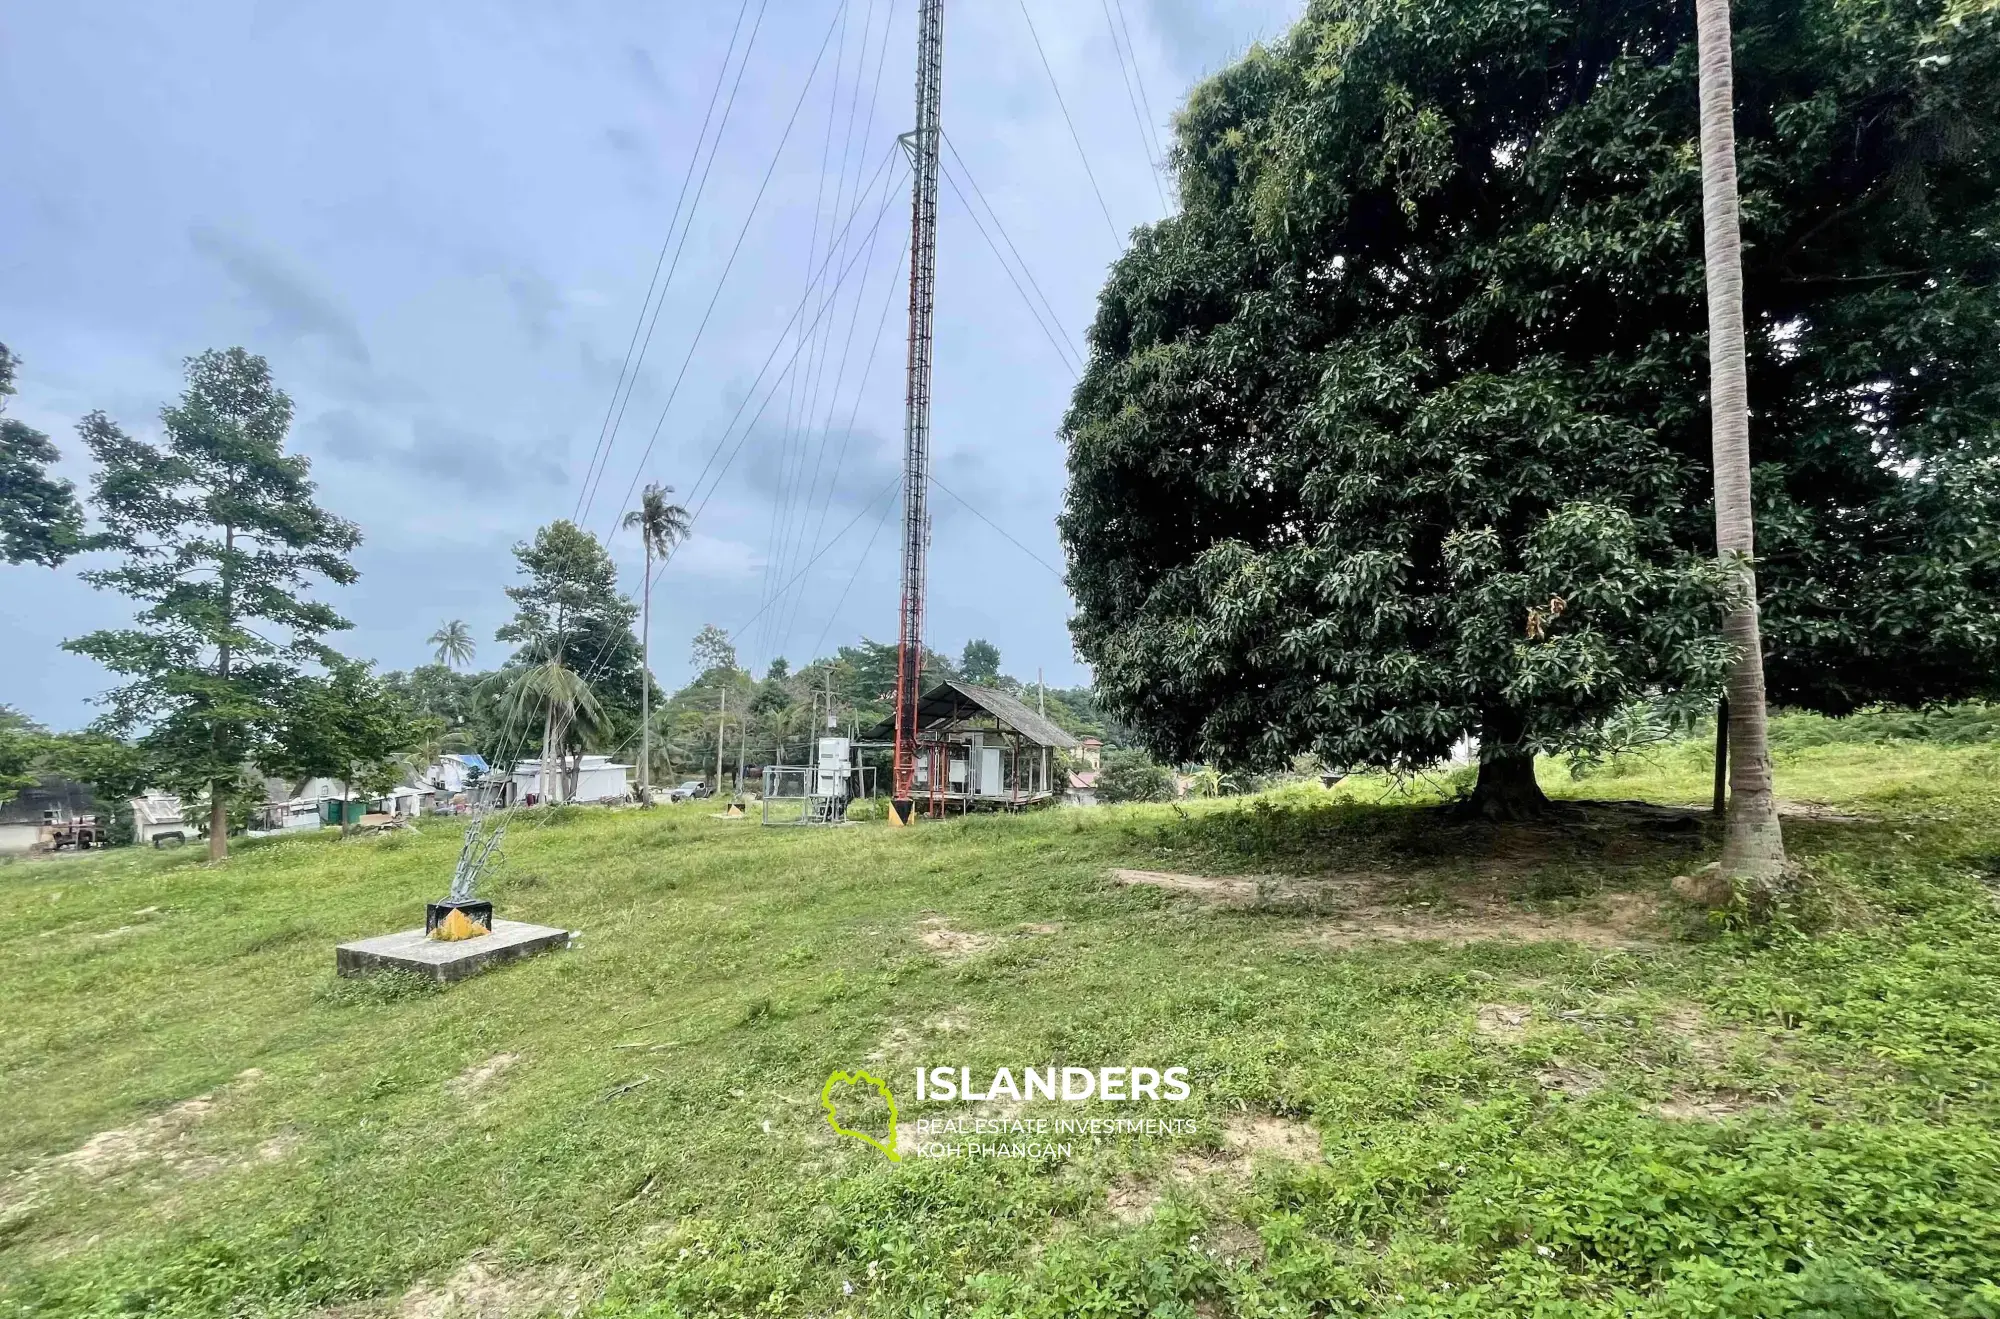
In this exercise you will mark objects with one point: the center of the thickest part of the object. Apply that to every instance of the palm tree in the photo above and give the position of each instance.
(453, 642)
(565, 701)
(1753, 848)
(662, 526)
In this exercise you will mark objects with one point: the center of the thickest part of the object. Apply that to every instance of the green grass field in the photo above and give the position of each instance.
(1437, 1068)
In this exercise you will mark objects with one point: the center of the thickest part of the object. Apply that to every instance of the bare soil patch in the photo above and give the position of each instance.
(480, 1290)
(1710, 1106)
(1819, 812)
(1246, 1137)
(1256, 1134)
(1502, 1021)
(164, 1140)
(1575, 1082)
(1227, 891)
(1608, 920)
(1359, 907)
(935, 933)
(478, 1076)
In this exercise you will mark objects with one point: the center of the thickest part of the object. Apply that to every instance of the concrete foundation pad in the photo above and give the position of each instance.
(412, 950)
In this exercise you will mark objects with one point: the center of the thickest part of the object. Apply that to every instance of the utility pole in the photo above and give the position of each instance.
(922, 144)
(1041, 694)
(743, 729)
(721, 722)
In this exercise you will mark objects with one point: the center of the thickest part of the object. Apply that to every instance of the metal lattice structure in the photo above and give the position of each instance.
(476, 857)
(922, 144)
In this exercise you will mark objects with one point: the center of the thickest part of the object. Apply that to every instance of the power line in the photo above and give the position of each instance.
(596, 662)
(1001, 229)
(853, 412)
(743, 233)
(852, 577)
(897, 480)
(1062, 350)
(607, 429)
(997, 527)
(1116, 237)
(791, 541)
(1146, 143)
(776, 348)
(1139, 80)
(794, 427)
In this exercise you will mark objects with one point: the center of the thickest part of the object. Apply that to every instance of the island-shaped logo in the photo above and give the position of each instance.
(861, 1092)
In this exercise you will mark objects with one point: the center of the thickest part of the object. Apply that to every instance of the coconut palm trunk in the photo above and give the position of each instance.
(646, 682)
(1753, 848)
(551, 772)
(662, 525)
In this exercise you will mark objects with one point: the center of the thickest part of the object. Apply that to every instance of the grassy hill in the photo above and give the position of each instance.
(1438, 1068)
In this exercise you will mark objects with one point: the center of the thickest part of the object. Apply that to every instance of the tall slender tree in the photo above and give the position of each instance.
(452, 644)
(662, 525)
(1753, 848)
(221, 540)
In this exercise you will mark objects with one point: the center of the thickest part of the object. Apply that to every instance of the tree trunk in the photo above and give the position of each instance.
(1721, 757)
(218, 822)
(218, 794)
(1753, 847)
(548, 754)
(646, 685)
(1507, 789)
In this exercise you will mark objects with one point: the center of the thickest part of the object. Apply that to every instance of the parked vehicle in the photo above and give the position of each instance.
(691, 790)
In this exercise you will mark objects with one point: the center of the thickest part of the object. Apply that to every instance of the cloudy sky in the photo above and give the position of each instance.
(439, 222)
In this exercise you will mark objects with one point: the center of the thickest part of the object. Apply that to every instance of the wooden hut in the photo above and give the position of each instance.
(980, 748)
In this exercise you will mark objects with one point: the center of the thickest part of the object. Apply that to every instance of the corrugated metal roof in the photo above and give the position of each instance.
(951, 699)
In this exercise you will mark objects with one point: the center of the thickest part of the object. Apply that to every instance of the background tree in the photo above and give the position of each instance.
(662, 524)
(347, 726)
(1397, 431)
(221, 540)
(453, 645)
(712, 649)
(577, 661)
(1134, 776)
(21, 740)
(980, 662)
(40, 520)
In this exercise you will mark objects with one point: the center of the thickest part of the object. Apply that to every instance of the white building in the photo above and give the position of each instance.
(598, 778)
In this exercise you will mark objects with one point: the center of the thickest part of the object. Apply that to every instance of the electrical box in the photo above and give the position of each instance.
(831, 773)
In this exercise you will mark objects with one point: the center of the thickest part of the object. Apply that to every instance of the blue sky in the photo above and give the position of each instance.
(438, 223)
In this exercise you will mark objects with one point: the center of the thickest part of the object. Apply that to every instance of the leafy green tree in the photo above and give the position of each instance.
(980, 662)
(1133, 776)
(712, 649)
(1398, 430)
(576, 666)
(40, 520)
(221, 540)
(349, 726)
(113, 768)
(21, 740)
(437, 692)
(453, 644)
